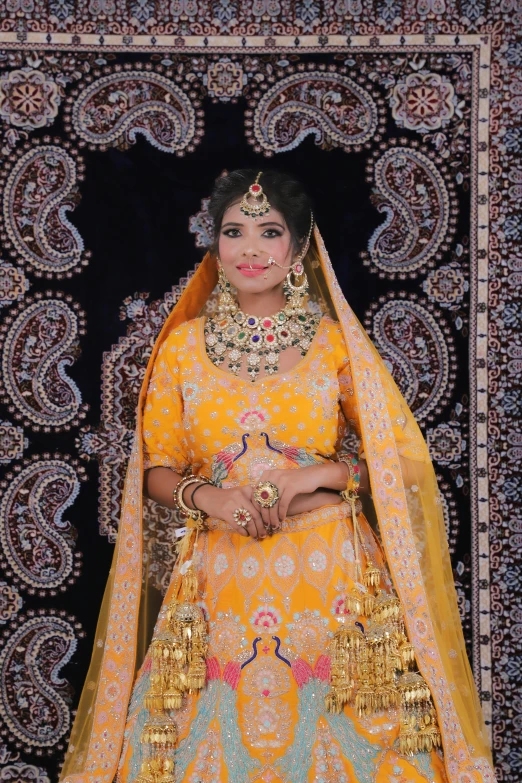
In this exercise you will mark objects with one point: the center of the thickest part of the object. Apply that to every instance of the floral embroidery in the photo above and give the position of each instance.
(339, 605)
(250, 567)
(268, 724)
(207, 765)
(227, 636)
(308, 634)
(254, 419)
(266, 619)
(220, 564)
(284, 566)
(328, 764)
(317, 560)
(347, 551)
(190, 391)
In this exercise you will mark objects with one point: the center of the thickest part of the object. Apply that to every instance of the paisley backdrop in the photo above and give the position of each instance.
(400, 118)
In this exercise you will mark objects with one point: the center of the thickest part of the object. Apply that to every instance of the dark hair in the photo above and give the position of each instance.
(284, 193)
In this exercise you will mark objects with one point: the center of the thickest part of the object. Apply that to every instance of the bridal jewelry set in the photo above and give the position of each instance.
(233, 334)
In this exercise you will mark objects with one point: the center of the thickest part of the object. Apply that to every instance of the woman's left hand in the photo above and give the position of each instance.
(298, 481)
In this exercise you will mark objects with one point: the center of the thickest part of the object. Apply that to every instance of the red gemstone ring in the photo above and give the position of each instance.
(242, 516)
(266, 494)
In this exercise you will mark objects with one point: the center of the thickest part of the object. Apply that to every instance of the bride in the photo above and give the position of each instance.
(294, 642)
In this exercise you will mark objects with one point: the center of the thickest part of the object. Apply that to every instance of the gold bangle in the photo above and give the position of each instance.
(354, 479)
(181, 506)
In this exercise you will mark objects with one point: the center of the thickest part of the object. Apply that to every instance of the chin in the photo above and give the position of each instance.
(250, 284)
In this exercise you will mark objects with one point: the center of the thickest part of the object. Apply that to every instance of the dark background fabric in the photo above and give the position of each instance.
(133, 211)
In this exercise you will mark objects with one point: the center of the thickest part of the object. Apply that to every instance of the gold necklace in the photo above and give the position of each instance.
(236, 334)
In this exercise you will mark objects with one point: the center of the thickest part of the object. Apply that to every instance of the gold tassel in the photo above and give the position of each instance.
(178, 666)
(189, 584)
(429, 733)
(383, 660)
(161, 734)
(413, 689)
(156, 771)
(406, 654)
(347, 643)
(354, 602)
(364, 668)
(368, 604)
(387, 608)
(408, 739)
(372, 575)
(365, 696)
(419, 731)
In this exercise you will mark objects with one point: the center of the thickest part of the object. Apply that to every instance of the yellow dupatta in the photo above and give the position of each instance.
(412, 530)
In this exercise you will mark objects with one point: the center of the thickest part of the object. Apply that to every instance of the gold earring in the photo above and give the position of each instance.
(226, 302)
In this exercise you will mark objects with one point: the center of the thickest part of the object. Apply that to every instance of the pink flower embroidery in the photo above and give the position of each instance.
(254, 419)
(265, 618)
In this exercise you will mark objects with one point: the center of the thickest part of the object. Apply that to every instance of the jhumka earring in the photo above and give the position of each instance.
(226, 302)
(254, 203)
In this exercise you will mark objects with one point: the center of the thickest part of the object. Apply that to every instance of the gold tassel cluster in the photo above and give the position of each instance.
(366, 667)
(178, 667)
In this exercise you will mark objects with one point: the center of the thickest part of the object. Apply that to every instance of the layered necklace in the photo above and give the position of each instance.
(231, 336)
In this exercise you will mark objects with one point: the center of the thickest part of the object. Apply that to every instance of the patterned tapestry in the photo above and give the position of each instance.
(400, 117)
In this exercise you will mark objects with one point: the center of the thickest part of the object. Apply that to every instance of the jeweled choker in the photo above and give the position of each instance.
(231, 336)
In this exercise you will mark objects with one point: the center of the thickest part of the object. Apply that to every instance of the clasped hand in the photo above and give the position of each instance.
(223, 502)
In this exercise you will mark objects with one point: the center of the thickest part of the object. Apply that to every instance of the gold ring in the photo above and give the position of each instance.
(242, 516)
(266, 494)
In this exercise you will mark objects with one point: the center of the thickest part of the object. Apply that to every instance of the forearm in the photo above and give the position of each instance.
(159, 485)
(334, 475)
(309, 501)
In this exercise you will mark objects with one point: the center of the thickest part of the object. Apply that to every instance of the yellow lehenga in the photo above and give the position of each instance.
(274, 606)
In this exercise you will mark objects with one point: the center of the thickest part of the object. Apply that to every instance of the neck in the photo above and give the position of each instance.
(264, 303)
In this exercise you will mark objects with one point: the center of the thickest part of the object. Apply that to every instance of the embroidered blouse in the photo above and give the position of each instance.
(202, 417)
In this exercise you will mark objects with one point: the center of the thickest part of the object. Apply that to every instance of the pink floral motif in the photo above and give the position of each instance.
(254, 419)
(339, 605)
(265, 619)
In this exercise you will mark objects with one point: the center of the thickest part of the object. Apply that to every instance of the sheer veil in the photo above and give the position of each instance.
(412, 530)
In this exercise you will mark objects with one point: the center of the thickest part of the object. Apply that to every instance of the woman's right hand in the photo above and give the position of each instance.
(221, 503)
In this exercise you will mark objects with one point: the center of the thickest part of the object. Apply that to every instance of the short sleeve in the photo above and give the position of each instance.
(164, 441)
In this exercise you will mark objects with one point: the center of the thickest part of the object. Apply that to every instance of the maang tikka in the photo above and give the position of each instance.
(254, 203)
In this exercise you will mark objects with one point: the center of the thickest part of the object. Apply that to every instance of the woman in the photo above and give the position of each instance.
(290, 646)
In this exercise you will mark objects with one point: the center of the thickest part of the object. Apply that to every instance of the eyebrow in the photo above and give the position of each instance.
(269, 223)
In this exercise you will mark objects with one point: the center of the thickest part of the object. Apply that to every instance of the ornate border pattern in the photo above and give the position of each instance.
(32, 99)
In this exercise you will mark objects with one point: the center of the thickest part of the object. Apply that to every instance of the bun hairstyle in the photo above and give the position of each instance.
(284, 193)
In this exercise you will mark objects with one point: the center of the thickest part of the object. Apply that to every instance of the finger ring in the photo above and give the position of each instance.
(266, 494)
(242, 516)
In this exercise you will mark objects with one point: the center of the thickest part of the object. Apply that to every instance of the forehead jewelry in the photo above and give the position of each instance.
(254, 203)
